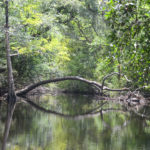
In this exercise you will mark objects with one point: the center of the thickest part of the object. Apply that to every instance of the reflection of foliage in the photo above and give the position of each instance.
(2, 119)
(35, 130)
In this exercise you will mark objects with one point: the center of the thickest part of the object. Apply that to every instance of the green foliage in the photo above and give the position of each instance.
(129, 36)
(88, 38)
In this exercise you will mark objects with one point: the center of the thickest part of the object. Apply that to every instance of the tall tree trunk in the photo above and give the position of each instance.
(11, 90)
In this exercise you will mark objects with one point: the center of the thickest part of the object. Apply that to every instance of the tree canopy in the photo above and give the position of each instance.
(87, 38)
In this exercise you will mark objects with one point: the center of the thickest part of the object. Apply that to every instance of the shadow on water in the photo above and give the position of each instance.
(79, 129)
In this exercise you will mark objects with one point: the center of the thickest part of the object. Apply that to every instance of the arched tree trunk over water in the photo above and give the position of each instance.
(91, 83)
(11, 90)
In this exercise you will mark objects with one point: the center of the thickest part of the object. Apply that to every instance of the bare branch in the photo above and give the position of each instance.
(109, 75)
(11, 55)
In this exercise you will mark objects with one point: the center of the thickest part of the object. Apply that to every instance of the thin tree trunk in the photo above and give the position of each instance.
(11, 90)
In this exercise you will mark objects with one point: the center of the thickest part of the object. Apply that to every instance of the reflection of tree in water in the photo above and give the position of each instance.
(85, 130)
(74, 105)
(24, 126)
(76, 131)
(10, 111)
(68, 104)
(23, 120)
(24, 113)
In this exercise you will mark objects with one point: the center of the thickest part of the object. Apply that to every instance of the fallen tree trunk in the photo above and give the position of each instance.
(92, 83)
(33, 86)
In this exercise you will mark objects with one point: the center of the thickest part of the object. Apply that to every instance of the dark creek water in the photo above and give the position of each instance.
(67, 122)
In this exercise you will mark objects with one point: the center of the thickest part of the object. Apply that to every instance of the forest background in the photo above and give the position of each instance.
(86, 38)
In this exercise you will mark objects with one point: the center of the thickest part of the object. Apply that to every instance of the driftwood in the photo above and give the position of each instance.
(92, 83)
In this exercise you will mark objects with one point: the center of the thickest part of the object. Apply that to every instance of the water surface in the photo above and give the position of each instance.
(73, 128)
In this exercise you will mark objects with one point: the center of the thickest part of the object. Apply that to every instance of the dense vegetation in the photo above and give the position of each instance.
(87, 38)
